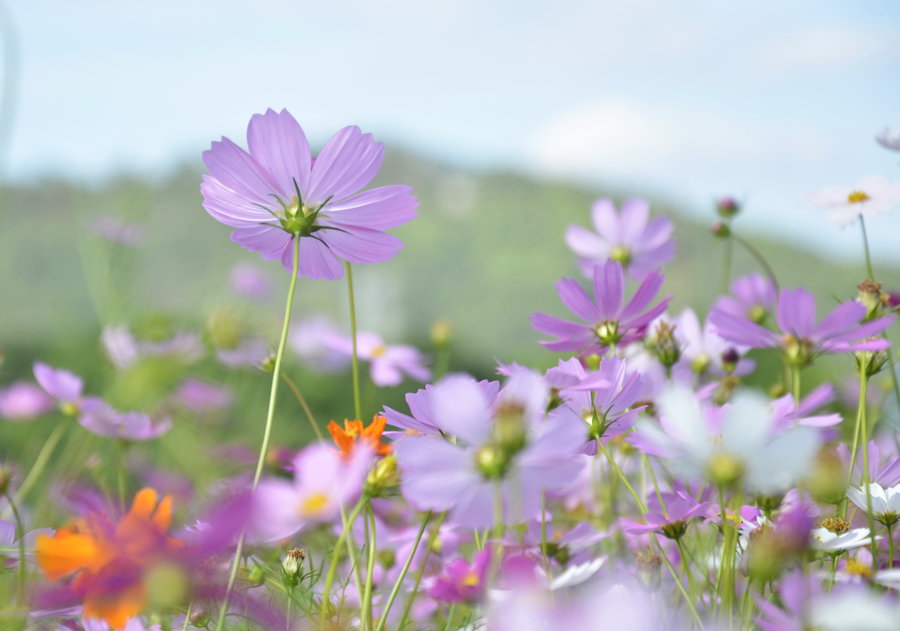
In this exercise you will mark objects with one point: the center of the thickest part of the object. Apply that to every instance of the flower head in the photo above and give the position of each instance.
(870, 197)
(463, 581)
(641, 245)
(277, 192)
(607, 321)
(23, 401)
(107, 561)
(100, 418)
(753, 298)
(354, 433)
(387, 363)
(800, 338)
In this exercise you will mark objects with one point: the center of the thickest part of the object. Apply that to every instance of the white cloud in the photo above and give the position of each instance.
(655, 141)
(825, 46)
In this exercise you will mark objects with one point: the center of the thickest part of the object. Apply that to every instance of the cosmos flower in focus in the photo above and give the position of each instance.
(801, 338)
(277, 191)
(354, 433)
(607, 321)
(641, 245)
(870, 197)
(107, 562)
(885, 502)
(462, 581)
(421, 404)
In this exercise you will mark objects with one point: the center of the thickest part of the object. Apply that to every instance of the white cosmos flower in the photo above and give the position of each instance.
(824, 539)
(854, 610)
(577, 574)
(870, 197)
(885, 501)
(740, 441)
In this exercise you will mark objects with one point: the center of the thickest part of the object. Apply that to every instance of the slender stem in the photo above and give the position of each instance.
(187, 616)
(407, 609)
(685, 564)
(120, 472)
(726, 265)
(267, 433)
(795, 384)
(40, 462)
(355, 366)
(399, 582)
(303, 404)
(366, 613)
(20, 535)
(336, 557)
(864, 434)
(544, 533)
(869, 270)
(659, 497)
(890, 536)
(759, 258)
(499, 531)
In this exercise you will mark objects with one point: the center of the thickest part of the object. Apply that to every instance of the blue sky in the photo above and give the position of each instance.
(763, 100)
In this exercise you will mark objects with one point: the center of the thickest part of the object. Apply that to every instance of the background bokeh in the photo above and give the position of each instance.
(507, 119)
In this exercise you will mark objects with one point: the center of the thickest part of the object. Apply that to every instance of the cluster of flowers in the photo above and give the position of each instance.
(637, 484)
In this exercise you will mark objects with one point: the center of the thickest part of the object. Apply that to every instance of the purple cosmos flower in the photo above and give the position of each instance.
(100, 418)
(704, 350)
(203, 398)
(788, 412)
(387, 364)
(247, 279)
(323, 482)
(23, 401)
(509, 443)
(462, 581)
(884, 466)
(753, 298)
(310, 339)
(421, 405)
(800, 337)
(608, 322)
(671, 521)
(249, 352)
(124, 349)
(641, 246)
(277, 191)
(603, 399)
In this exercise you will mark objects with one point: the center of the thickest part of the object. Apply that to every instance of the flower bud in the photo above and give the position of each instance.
(510, 433)
(721, 230)
(663, 345)
(871, 361)
(292, 565)
(727, 207)
(827, 478)
(441, 332)
(383, 478)
(725, 470)
(871, 296)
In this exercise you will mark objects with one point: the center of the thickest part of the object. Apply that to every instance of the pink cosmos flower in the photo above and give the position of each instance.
(640, 244)
(23, 401)
(461, 581)
(608, 321)
(277, 191)
(800, 337)
(388, 363)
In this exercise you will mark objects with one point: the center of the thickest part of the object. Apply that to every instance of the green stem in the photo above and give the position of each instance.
(795, 383)
(499, 531)
(759, 258)
(544, 534)
(869, 269)
(336, 557)
(399, 582)
(187, 616)
(303, 404)
(355, 366)
(20, 534)
(864, 435)
(40, 462)
(685, 564)
(407, 609)
(726, 265)
(267, 432)
(890, 536)
(366, 613)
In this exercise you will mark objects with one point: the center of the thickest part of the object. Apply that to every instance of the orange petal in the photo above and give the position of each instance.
(144, 503)
(67, 552)
(115, 609)
(162, 518)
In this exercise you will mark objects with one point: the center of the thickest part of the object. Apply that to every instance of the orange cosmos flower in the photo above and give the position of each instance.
(108, 561)
(353, 433)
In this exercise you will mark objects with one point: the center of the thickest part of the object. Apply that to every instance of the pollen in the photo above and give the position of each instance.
(857, 197)
(314, 504)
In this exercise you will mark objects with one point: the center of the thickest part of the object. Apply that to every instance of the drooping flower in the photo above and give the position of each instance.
(277, 191)
(736, 444)
(324, 481)
(870, 197)
(106, 561)
(23, 401)
(641, 245)
(354, 434)
(388, 363)
(800, 338)
(753, 298)
(607, 321)
(508, 444)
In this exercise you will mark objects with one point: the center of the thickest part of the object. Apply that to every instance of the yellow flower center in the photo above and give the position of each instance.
(857, 197)
(470, 579)
(314, 504)
(378, 351)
